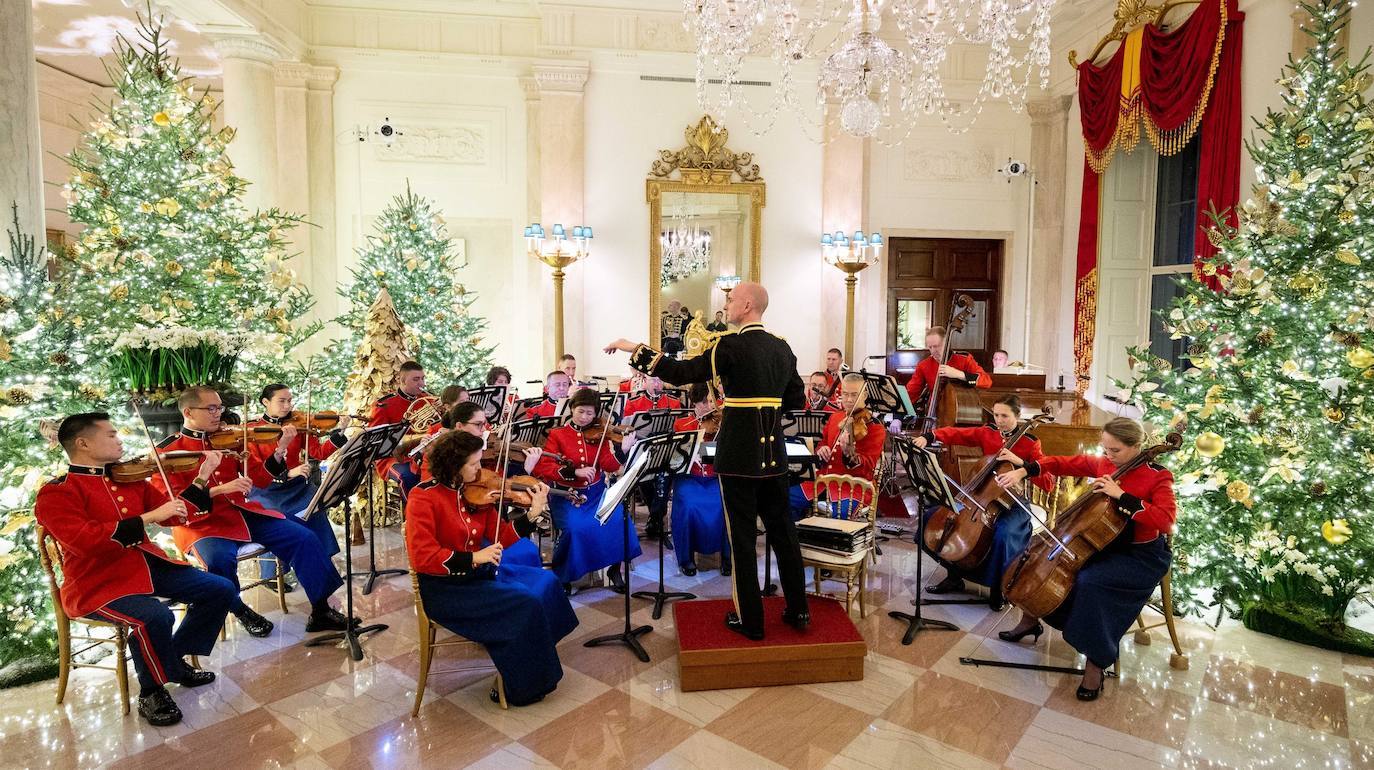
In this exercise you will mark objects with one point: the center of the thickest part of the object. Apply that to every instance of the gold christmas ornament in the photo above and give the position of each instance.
(1336, 531)
(167, 207)
(1209, 444)
(1308, 285)
(1360, 358)
(1304, 140)
(1266, 337)
(1334, 414)
(1239, 492)
(161, 119)
(1347, 256)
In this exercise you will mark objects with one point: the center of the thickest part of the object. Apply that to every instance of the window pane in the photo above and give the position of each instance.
(913, 318)
(975, 333)
(1176, 211)
(1163, 290)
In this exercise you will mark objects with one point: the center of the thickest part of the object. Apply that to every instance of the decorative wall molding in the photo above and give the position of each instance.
(461, 144)
(246, 47)
(562, 77)
(1055, 108)
(925, 163)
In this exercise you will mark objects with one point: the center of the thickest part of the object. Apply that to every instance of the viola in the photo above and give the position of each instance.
(964, 537)
(1041, 578)
(318, 423)
(234, 436)
(140, 468)
(489, 487)
(605, 431)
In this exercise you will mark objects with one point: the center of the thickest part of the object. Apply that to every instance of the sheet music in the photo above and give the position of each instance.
(622, 487)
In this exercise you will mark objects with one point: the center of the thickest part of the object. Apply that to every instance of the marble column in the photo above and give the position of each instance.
(1049, 145)
(561, 160)
(21, 167)
(250, 108)
(323, 277)
(844, 206)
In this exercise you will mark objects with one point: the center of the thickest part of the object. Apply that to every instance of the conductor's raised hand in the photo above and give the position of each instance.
(621, 345)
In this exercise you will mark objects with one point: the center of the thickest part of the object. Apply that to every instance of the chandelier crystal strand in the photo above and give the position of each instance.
(686, 250)
(901, 84)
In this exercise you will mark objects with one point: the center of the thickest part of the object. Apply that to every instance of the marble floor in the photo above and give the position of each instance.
(1246, 701)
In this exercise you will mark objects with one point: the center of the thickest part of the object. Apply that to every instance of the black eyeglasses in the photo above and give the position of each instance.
(210, 409)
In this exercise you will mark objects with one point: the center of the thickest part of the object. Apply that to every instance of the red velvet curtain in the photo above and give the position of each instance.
(1189, 83)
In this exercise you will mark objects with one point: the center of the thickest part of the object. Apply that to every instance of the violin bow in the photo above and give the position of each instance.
(157, 459)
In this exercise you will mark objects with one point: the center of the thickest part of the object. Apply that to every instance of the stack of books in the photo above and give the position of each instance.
(840, 537)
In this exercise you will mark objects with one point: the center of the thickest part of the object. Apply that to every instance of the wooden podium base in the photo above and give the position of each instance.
(712, 657)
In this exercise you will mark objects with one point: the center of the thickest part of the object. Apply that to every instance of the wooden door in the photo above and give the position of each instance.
(924, 276)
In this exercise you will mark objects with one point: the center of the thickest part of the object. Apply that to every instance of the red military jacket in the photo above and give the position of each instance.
(96, 522)
(690, 424)
(546, 408)
(868, 451)
(389, 410)
(443, 532)
(1148, 490)
(225, 517)
(988, 439)
(265, 470)
(821, 404)
(832, 381)
(643, 403)
(568, 442)
(923, 379)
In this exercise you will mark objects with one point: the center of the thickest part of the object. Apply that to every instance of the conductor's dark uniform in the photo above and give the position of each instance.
(757, 372)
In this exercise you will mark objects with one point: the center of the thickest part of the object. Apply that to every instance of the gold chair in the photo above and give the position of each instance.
(1177, 660)
(428, 630)
(50, 555)
(852, 569)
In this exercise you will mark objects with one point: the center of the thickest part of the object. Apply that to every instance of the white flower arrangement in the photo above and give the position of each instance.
(181, 337)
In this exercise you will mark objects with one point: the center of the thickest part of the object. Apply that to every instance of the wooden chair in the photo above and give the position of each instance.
(851, 569)
(50, 555)
(428, 630)
(1177, 660)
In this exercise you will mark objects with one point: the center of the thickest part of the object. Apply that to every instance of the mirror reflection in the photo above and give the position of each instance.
(702, 235)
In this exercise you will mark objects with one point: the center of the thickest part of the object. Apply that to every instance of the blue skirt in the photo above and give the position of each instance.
(518, 615)
(523, 553)
(698, 519)
(1010, 537)
(1108, 595)
(584, 544)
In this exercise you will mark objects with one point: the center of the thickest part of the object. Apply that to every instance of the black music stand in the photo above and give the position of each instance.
(924, 471)
(615, 495)
(492, 398)
(393, 434)
(803, 423)
(348, 467)
(670, 454)
(531, 431)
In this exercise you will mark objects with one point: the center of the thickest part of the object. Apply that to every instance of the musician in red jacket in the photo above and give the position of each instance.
(820, 397)
(516, 612)
(841, 451)
(698, 511)
(961, 368)
(1012, 531)
(233, 520)
(112, 572)
(410, 397)
(556, 386)
(1115, 583)
(653, 397)
(584, 545)
(280, 471)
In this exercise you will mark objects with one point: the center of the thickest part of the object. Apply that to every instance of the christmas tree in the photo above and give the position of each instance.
(167, 240)
(413, 258)
(42, 379)
(1276, 397)
(378, 358)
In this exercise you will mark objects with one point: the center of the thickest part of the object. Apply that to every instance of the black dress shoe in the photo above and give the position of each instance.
(798, 620)
(329, 620)
(950, 585)
(158, 708)
(997, 603)
(617, 580)
(726, 569)
(194, 677)
(567, 589)
(253, 623)
(689, 570)
(733, 623)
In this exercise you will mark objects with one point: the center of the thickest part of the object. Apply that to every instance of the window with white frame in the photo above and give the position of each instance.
(1176, 228)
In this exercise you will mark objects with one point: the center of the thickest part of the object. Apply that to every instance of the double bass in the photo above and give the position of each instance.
(964, 537)
(1041, 578)
(952, 406)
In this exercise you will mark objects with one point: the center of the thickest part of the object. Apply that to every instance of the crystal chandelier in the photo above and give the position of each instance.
(879, 82)
(685, 249)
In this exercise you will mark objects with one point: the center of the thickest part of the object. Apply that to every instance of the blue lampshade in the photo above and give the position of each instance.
(876, 240)
(577, 231)
(826, 239)
(558, 231)
(586, 232)
(529, 231)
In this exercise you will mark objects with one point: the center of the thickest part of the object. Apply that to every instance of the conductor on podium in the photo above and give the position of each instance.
(757, 372)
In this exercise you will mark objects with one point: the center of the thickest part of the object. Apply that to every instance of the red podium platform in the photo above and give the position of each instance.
(712, 657)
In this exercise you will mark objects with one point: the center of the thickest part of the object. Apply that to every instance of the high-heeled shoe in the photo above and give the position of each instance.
(1086, 694)
(1013, 636)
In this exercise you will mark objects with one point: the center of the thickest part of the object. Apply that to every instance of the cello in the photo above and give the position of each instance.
(963, 537)
(952, 406)
(1040, 579)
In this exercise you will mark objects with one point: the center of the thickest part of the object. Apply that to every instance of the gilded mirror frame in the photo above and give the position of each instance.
(704, 165)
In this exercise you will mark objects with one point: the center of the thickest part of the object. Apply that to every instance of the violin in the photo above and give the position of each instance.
(857, 425)
(233, 437)
(516, 490)
(516, 453)
(140, 468)
(318, 423)
(710, 422)
(605, 431)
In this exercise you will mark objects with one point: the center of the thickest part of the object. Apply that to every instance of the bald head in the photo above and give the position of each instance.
(746, 303)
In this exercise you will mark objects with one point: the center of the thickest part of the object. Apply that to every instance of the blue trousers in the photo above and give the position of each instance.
(406, 476)
(157, 649)
(290, 540)
(518, 615)
(291, 498)
(1010, 536)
